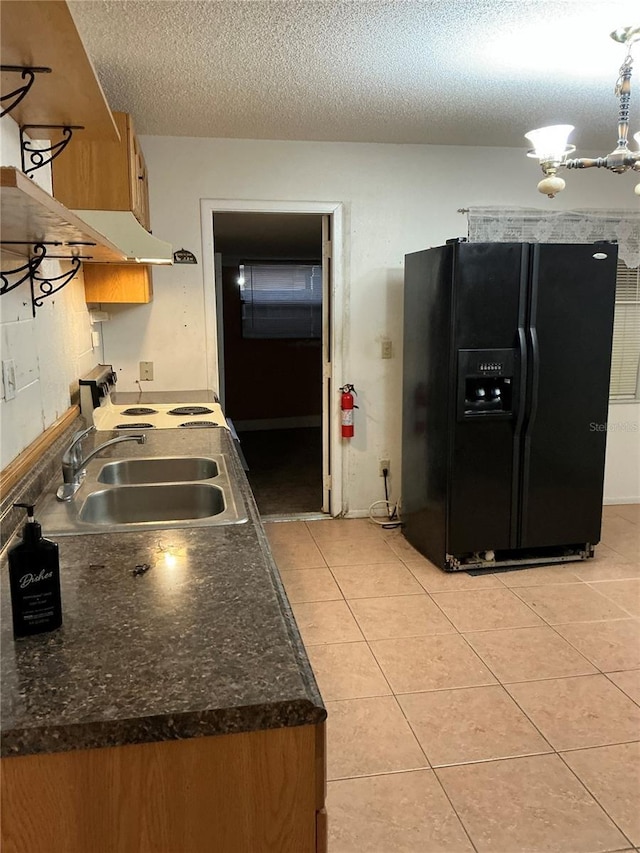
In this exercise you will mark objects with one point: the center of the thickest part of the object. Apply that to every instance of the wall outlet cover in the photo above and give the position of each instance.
(382, 464)
(146, 371)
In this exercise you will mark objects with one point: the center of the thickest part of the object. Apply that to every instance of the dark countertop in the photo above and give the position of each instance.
(204, 643)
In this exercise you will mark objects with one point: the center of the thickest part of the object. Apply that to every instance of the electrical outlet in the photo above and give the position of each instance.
(384, 463)
(146, 371)
(386, 349)
(9, 378)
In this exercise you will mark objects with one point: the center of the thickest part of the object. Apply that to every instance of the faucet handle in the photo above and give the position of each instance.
(82, 432)
(71, 453)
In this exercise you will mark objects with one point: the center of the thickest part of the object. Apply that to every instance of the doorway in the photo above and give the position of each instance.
(276, 383)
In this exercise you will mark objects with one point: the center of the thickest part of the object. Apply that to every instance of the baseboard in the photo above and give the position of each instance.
(617, 501)
(278, 423)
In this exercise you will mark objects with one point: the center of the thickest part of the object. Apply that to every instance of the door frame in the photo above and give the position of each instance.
(208, 207)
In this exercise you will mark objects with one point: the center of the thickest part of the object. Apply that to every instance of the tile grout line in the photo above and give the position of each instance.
(554, 625)
(509, 694)
(595, 798)
(433, 769)
(607, 674)
(553, 750)
(554, 628)
(599, 746)
(393, 693)
(590, 675)
(384, 675)
(612, 600)
(546, 620)
(460, 630)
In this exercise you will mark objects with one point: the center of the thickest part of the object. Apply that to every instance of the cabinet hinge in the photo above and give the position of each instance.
(327, 371)
(326, 481)
(327, 249)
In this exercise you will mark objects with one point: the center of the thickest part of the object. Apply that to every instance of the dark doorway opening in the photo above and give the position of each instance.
(284, 469)
(272, 352)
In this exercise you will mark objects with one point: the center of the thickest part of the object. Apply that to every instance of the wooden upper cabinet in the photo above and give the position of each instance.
(118, 283)
(108, 176)
(43, 33)
(104, 175)
(139, 182)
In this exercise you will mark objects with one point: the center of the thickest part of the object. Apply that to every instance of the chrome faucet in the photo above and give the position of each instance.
(73, 453)
(73, 464)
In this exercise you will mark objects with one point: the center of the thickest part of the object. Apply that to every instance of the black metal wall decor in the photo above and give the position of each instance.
(28, 74)
(24, 272)
(42, 287)
(183, 256)
(35, 158)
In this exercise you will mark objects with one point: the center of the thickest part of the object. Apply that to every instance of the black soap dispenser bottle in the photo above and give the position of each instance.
(34, 576)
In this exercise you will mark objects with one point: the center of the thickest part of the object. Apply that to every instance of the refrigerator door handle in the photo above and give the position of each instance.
(531, 416)
(535, 374)
(522, 381)
(520, 403)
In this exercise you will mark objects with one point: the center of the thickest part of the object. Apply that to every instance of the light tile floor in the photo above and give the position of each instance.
(497, 713)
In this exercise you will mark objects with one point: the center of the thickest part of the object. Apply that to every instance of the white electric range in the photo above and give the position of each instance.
(184, 415)
(107, 409)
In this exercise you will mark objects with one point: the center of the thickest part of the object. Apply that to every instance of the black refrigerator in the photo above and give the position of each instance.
(507, 354)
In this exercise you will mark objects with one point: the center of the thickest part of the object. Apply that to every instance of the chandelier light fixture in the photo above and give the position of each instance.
(551, 146)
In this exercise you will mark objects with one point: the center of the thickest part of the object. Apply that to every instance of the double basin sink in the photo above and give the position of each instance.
(146, 493)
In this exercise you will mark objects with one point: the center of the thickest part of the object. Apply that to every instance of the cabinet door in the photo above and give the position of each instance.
(95, 175)
(117, 283)
(104, 175)
(138, 178)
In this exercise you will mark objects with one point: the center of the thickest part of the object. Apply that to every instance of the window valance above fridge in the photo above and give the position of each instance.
(531, 225)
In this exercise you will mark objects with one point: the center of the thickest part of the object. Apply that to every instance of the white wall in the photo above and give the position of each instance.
(51, 351)
(397, 199)
(622, 469)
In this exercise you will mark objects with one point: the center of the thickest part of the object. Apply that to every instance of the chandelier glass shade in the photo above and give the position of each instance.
(551, 146)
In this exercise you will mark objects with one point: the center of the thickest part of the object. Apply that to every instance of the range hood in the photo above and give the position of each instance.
(122, 229)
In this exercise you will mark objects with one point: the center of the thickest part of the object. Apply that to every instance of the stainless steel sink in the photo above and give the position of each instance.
(146, 493)
(155, 503)
(174, 469)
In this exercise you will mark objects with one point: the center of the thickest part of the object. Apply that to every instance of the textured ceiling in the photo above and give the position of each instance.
(463, 72)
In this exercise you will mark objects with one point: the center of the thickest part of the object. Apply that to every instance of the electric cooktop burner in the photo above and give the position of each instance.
(190, 410)
(134, 426)
(138, 411)
(198, 424)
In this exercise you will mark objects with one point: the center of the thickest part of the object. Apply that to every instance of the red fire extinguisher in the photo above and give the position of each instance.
(347, 405)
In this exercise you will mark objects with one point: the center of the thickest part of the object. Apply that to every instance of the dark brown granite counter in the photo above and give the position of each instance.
(203, 643)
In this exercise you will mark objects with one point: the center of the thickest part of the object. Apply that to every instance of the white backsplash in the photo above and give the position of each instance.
(49, 351)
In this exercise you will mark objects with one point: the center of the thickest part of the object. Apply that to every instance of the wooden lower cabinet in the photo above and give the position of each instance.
(255, 792)
(117, 283)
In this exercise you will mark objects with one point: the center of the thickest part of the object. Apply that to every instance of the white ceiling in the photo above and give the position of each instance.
(463, 72)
